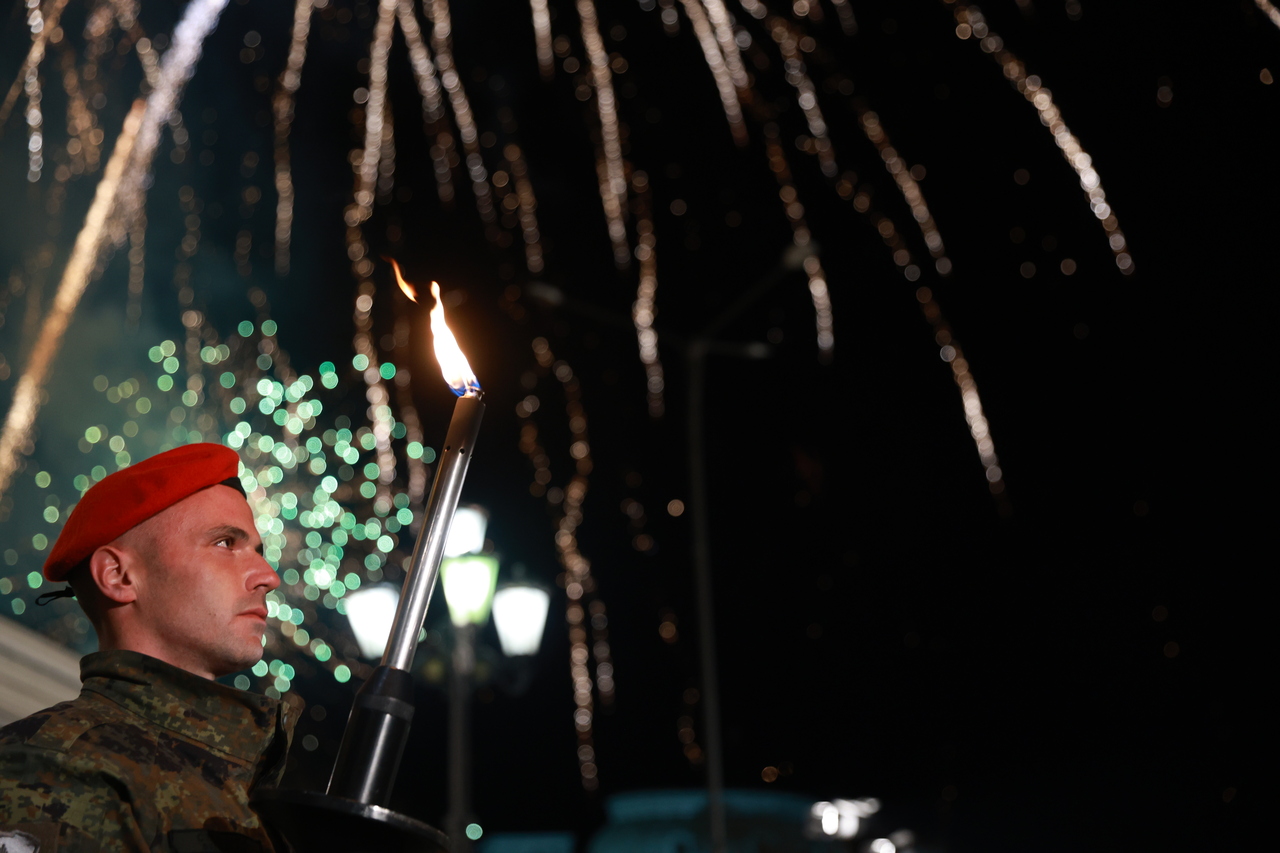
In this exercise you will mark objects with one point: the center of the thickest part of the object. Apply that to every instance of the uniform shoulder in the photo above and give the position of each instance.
(55, 777)
(59, 726)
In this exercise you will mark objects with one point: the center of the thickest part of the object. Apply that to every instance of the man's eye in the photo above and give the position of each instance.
(222, 543)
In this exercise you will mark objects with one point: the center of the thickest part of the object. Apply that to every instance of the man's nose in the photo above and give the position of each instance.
(263, 575)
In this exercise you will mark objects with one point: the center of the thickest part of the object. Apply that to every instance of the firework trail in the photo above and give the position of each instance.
(176, 68)
(75, 278)
(610, 170)
(970, 23)
(283, 107)
(42, 24)
(442, 41)
(578, 581)
(645, 309)
(542, 38)
(729, 46)
(424, 71)
(117, 203)
(726, 84)
(357, 249)
(1268, 8)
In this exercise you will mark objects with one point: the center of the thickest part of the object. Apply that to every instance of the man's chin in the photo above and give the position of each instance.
(237, 663)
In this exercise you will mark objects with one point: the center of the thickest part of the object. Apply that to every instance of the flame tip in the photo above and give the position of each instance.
(453, 363)
(405, 286)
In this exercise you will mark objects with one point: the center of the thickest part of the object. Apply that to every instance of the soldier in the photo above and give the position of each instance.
(154, 755)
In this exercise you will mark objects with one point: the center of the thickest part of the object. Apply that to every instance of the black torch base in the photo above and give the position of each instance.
(312, 822)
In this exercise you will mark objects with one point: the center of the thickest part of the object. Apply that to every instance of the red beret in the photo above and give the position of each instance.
(130, 496)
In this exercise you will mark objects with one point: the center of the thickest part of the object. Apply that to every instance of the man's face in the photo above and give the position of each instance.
(202, 582)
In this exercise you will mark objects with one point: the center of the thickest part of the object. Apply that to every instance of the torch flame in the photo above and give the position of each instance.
(453, 364)
(409, 290)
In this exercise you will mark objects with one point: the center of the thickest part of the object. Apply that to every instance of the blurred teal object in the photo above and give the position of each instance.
(528, 842)
(672, 821)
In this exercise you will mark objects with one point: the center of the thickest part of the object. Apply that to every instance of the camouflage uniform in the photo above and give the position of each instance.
(148, 758)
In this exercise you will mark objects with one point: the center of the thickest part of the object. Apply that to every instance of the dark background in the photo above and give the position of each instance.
(1085, 670)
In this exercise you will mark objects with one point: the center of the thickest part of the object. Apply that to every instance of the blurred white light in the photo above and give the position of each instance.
(468, 587)
(466, 533)
(520, 614)
(883, 845)
(864, 807)
(371, 611)
(830, 819)
(838, 818)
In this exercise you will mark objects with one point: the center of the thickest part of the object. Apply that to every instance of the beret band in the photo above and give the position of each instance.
(125, 499)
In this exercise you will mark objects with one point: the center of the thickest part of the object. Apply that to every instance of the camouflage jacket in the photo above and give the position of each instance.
(148, 758)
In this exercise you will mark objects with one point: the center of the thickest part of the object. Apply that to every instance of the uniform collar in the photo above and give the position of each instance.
(234, 722)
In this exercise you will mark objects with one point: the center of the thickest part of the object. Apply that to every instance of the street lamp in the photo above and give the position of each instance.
(371, 611)
(469, 583)
(466, 533)
(520, 615)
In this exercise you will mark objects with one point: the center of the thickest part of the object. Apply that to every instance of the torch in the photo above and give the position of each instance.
(351, 815)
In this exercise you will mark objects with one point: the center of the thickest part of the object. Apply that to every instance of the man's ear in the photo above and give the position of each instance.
(111, 570)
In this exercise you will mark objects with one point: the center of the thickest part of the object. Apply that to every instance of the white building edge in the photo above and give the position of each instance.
(35, 672)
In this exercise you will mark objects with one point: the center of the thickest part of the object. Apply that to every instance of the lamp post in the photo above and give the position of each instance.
(469, 580)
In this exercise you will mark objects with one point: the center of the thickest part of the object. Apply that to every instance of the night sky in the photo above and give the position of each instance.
(1077, 664)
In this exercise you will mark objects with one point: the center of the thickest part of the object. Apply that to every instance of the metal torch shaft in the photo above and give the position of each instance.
(427, 554)
(378, 728)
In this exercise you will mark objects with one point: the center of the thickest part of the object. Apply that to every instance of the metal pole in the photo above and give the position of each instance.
(464, 662)
(459, 443)
(378, 728)
(706, 610)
